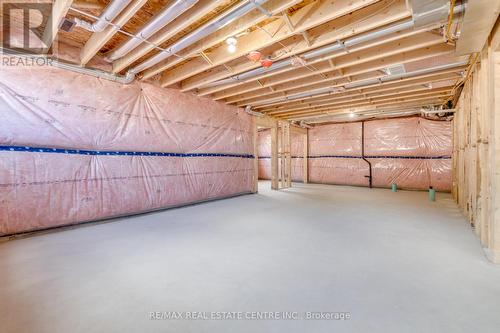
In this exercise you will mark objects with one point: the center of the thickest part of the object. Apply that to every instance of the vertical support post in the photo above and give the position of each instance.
(255, 157)
(305, 175)
(487, 145)
(281, 151)
(274, 157)
(287, 154)
(495, 109)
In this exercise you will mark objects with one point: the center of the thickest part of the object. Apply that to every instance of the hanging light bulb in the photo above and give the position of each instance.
(231, 44)
(231, 41)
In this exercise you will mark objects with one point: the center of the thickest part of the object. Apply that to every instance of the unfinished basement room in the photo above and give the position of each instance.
(249, 166)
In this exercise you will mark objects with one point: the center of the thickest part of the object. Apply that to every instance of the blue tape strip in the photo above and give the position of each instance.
(115, 153)
(402, 157)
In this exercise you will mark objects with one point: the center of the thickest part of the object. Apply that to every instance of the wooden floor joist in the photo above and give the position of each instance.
(306, 18)
(367, 18)
(244, 23)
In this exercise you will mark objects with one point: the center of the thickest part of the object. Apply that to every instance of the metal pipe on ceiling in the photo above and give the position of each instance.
(109, 14)
(203, 31)
(123, 79)
(337, 46)
(388, 78)
(159, 21)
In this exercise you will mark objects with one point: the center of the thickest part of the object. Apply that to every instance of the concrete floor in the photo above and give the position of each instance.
(395, 261)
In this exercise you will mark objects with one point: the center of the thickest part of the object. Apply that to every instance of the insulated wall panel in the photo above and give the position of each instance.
(75, 148)
(264, 150)
(264, 153)
(414, 153)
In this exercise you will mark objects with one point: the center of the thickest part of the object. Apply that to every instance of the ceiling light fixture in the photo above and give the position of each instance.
(231, 41)
(231, 44)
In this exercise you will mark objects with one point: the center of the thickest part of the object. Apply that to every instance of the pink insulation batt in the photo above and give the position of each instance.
(412, 152)
(264, 153)
(144, 148)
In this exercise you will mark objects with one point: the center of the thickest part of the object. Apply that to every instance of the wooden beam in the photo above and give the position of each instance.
(379, 88)
(396, 102)
(287, 154)
(357, 97)
(287, 20)
(266, 122)
(480, 17)
(246, 21)
(274, 158)
(362, 20)
(402, 42)
(298, 130)
(59, 10)
(289, 85)
(307, 17)
(305, 161)
(99, 39)
(360, 78)
(495, 109)
(194, 14)
(255, 156)
(360, 100)
(88, 4)
(374, 108)
(307, 39)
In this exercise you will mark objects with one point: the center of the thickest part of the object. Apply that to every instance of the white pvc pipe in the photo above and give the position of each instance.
(166, 16)
(205, 30)
(109, 14)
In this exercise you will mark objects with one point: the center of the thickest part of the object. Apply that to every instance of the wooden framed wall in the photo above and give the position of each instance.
(476, 151)
(281, 157)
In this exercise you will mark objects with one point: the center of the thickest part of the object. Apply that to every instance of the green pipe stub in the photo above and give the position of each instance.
(394, 187)
(432, 194)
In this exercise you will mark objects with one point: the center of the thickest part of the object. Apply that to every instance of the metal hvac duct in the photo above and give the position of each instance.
(337, 46)
(368, 82)
(126, 79)
(203, 31)
(159, 21)
(109, 14)
(426, 12)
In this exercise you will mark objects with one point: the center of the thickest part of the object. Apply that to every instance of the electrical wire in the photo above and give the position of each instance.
(119, 29)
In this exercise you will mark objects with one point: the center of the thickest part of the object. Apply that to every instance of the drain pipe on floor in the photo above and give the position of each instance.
(363, 153)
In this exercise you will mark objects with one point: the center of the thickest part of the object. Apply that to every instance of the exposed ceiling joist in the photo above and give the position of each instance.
(357, 80)
(293, 84)
(59, 10)
(304, 19)
(351, 100)
(424, 98)
(372, 108)
(200, 10)
(398, 42)
(241, 24)
(88, 4)
(357, 22)
(99, 39)
(414, 85)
